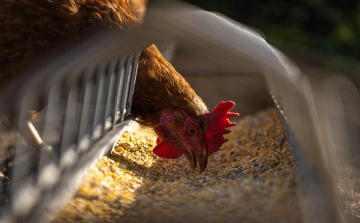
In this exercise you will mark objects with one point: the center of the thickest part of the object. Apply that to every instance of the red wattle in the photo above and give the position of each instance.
(168, 150)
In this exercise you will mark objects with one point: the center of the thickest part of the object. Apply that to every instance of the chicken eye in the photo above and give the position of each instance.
(192, 131)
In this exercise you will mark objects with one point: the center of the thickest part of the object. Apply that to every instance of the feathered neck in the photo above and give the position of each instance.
(160, 87)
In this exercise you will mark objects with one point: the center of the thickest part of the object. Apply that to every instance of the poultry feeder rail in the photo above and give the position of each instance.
(89, 92)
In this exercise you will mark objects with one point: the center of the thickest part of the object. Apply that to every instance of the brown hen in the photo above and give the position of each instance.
(32, 29)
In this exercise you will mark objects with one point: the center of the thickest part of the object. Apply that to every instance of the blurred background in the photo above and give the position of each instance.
(316, 34)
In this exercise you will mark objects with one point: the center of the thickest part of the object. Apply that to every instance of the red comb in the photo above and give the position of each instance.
(218, 120)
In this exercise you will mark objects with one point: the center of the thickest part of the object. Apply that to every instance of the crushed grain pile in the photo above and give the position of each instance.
(252, 179)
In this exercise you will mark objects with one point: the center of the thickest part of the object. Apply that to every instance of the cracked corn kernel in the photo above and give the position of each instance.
(253, 178)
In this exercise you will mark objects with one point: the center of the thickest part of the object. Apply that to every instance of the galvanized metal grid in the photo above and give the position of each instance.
(321, 115)
(85, 103)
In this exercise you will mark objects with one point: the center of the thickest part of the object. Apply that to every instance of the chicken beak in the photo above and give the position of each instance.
(202, 159)
(193, 158)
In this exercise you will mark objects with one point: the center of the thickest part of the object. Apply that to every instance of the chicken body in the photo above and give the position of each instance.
(30, 30)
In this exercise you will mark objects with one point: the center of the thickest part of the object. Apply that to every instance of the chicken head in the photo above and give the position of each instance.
(180, 134)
